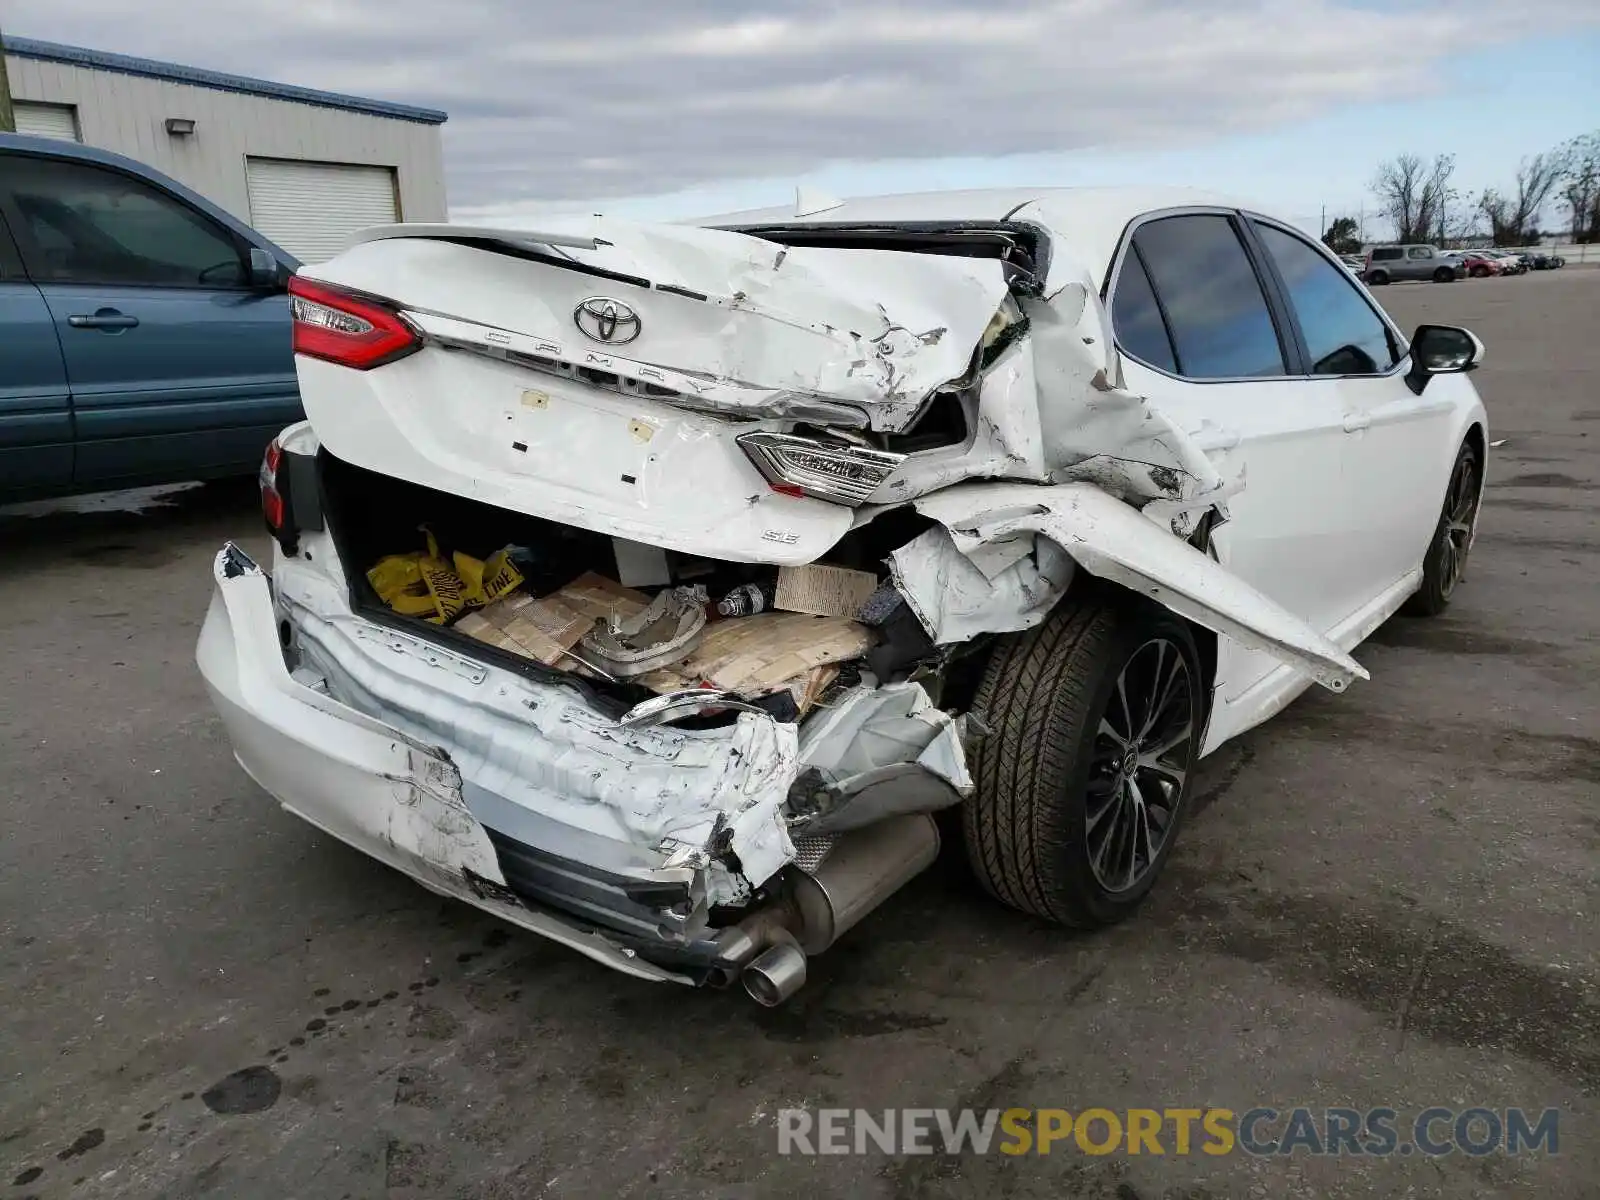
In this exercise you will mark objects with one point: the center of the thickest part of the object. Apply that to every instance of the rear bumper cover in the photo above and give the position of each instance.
(389, 795)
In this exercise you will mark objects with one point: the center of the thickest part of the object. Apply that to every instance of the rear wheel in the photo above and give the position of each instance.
(1445, 564)
(1377, 278)
(1094, 724)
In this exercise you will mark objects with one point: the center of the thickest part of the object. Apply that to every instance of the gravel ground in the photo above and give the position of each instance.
(1382, 899)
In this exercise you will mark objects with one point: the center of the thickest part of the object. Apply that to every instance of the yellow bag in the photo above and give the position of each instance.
(394, 576)
(488, 580)
(423, 584)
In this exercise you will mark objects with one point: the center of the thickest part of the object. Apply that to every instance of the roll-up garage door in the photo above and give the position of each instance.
(46, 120)
(312, 208)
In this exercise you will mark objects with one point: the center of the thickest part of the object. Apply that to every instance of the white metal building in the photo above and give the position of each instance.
(306, 168)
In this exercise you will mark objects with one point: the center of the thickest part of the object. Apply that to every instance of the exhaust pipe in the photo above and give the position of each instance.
(865, 867)
(775, 974)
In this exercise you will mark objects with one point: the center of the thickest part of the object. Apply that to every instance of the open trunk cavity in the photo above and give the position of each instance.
(786, 638)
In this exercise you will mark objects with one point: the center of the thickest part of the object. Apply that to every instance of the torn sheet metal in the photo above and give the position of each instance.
(879, 752)
(1052, 408)
(724, 312)
(665, 631)
(560, 775)
(1094, 430)
(1113, 541)
(1002, 586)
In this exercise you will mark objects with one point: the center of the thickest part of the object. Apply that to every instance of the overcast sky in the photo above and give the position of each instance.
(655, 105)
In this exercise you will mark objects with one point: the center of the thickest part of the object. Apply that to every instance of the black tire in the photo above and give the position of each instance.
(1047, 775)
(1377, 278)
(1444, 275)
(1445, 564)
(1480, 272)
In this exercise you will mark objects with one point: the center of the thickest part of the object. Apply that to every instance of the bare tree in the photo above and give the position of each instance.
(1513, 218)
(1580, 185)
(1415, 195)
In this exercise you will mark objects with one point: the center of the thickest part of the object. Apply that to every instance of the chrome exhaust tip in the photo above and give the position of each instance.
(775, 974)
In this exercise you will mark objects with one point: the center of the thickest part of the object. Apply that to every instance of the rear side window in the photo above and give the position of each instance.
(1385, 253)
(1136, 316)
(1420, 252)
(1343, 334)
(1216, 312)
(84, 224)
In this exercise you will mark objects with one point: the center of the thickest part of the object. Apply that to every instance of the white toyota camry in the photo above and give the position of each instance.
(651, 586)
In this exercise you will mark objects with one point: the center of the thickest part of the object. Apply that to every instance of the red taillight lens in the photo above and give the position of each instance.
(350, 330)
(271, 498)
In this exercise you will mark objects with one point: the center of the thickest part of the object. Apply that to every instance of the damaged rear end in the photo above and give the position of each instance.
(635, 584)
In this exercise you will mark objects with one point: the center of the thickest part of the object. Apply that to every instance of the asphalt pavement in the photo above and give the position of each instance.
(1381, 899)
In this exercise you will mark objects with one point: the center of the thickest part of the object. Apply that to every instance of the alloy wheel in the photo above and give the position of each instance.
(1138, 764)
(1455, 530)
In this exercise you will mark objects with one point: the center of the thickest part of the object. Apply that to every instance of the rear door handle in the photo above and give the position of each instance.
(105, 318)
(1356, 422)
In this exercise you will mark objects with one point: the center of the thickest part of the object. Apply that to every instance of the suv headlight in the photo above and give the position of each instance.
(836, 471)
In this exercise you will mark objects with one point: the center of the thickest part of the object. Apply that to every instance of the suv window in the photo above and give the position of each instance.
(1343, 334)
(1420, 252)
(1221, 327)
(87, 224)
(1385, 253)
(1137, 317)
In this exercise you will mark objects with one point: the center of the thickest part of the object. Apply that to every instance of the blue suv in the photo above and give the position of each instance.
(144, 332)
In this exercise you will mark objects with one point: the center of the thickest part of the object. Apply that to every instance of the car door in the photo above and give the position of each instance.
(1419, 263)
(176, 366)
(1207, 342)
(35, 412)
(1398, 452)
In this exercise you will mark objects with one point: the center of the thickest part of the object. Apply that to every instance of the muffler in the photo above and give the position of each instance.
(865, 867)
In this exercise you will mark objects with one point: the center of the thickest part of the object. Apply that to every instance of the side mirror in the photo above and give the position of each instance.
(264, 273)
(1441, 350)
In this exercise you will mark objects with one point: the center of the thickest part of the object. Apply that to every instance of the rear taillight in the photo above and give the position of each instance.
(838, 471)
(272, 505)
(343, 328)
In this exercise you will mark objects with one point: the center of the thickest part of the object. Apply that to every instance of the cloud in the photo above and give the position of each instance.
(559, 102)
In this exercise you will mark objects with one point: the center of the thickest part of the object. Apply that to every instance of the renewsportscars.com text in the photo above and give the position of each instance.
(1375, 1132)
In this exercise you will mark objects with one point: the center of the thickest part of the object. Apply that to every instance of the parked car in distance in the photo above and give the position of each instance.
(1354, 263)
(1543, 261)
(1390, 264)
(1105, 477)
(1481, 265)
(144, 332)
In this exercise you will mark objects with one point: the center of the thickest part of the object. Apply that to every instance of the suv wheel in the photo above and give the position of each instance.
(1094, 723)
(1377, 278)
(1445, 564)
(1444, 275)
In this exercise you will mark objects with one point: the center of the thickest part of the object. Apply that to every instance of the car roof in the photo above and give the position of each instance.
(1086, 223)
(59, 148)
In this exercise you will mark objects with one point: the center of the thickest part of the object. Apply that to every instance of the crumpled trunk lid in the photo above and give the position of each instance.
(875, 329)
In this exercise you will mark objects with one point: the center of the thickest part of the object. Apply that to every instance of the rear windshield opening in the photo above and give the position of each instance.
(1022, 247)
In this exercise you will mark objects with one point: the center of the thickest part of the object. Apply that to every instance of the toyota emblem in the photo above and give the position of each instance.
(606, 320)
